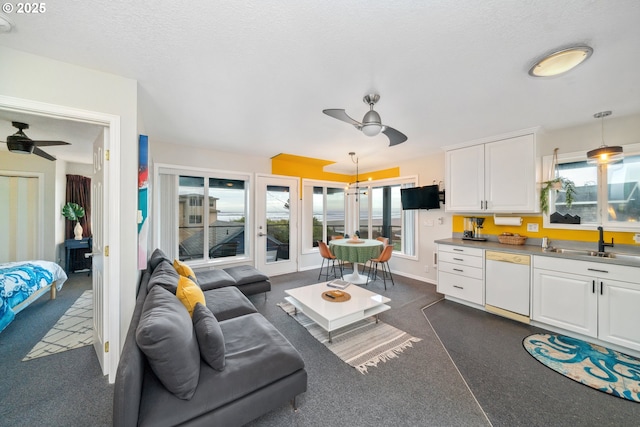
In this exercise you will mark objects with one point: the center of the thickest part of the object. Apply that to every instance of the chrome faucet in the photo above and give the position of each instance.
(601, 243)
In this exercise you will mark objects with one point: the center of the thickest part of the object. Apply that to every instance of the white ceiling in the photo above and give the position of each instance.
(254, 76)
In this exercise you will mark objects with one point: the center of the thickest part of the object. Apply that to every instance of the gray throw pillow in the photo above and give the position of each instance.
(210, 339)
(156, 257)
(164, 275)
(166, 336)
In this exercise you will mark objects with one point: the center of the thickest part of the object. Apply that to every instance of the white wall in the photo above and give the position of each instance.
(621, 130)
(430, 170)
(41, 79)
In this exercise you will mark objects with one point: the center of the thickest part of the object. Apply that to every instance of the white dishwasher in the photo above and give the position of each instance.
(507, 284)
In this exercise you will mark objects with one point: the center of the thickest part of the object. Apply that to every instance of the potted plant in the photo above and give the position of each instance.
(73, 212)
(557, 184)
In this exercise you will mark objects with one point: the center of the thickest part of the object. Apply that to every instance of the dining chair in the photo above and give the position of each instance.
(337, 236)
(382, 260)
(331, 261)
(384, 240)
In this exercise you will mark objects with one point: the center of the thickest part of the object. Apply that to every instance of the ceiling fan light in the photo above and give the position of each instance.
(605, 155)
(371, 129)
(20, 147)
(561, 61)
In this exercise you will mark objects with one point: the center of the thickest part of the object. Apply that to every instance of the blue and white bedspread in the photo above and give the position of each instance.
(19, 280)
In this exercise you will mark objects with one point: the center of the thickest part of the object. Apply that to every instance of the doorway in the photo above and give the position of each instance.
(110, 291)
(276, 224)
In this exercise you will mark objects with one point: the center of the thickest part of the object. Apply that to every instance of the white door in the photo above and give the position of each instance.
(276, 224)
(99, 228)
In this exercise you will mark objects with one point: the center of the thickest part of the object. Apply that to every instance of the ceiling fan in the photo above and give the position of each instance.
(371, 124)
(21, 143)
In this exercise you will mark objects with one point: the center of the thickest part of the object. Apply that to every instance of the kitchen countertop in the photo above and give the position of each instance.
(537, 250)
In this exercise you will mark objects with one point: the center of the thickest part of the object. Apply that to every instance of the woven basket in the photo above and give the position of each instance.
(512, 240)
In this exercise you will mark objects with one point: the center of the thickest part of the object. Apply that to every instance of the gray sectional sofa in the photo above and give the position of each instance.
(224, 367)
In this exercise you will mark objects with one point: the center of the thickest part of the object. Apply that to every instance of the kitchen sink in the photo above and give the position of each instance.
(584, 252)
(579, 252)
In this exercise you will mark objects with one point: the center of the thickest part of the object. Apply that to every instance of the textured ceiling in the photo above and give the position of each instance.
(254, 76)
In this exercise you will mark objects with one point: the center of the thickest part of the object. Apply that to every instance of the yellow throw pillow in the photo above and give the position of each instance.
(189, 294)
(183, 269)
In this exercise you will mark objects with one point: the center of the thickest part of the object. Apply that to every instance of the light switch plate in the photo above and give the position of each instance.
(532, 228)
(636, 238)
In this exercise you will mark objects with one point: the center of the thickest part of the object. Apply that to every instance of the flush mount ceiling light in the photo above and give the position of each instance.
(604, 155)
(5, 24)
(561, 61)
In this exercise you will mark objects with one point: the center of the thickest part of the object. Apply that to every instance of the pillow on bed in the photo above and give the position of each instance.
(189, 294)
(210, 339)
(165, 334)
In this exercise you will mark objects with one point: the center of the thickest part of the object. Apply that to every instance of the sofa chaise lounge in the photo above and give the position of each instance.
(155, 382)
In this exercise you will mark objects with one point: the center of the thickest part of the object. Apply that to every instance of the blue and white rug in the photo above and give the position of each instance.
(598, 367)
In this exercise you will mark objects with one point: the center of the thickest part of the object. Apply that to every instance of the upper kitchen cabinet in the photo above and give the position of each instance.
(499, 175)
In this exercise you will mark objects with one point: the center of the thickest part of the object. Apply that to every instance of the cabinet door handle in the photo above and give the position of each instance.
(458, 270)
(600, 288)
(593, 286)
(599, 271)
(459, 287)
(458, 259)
(458, 250)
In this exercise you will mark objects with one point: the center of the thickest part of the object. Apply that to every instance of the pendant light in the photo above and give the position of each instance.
(357, 192)
(604, 155)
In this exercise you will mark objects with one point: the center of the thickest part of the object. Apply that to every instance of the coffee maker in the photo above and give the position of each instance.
(473, 228)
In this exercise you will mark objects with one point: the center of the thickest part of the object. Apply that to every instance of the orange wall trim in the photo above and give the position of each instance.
(489, 228)
(310, 168)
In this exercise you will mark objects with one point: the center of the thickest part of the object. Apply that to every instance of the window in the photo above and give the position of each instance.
(195, 229)
(381, 215)
(607, 195)
(324, 213)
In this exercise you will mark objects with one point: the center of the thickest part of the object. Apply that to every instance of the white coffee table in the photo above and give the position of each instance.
(334, 315)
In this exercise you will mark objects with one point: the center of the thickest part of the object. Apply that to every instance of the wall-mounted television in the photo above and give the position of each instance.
(427, 197)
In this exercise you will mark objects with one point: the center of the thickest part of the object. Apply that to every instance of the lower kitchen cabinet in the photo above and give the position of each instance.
(619, 313)
(461, 273)
(594, 299)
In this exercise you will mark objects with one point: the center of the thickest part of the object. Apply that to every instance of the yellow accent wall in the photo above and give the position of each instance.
(310, 168)
(489, 228)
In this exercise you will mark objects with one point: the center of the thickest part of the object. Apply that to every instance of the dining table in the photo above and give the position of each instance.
(355, 251)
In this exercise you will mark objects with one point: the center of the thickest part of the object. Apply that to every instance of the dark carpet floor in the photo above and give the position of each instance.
(512, 387)
(64, 389)
(422, 387)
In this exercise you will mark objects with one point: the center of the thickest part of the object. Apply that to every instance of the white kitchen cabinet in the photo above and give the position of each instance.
(594, 299)
(461, 273)
(498, 176)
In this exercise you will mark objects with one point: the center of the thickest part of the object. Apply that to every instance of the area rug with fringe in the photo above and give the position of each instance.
(73, 330)
(363, 344)
(593, 365)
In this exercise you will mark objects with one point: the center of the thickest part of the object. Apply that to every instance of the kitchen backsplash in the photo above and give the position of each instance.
(489, 228)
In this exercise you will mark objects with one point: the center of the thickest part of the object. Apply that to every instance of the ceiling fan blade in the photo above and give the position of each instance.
(341, 115)
(49, 143)
(39, 152)
(395, 137)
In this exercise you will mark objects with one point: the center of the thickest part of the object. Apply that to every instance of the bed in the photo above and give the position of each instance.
(21, 283)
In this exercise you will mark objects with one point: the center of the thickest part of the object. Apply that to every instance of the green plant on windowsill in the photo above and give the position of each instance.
(558, 184)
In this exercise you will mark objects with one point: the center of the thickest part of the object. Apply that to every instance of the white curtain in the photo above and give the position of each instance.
(19, 208)
(167, 214)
